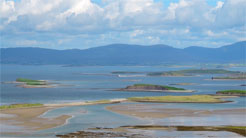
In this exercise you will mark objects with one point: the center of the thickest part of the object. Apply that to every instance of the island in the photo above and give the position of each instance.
(232, 92)
(153, 88)
(191, 72)
(237, 76)
(29, 83)
(180, 99)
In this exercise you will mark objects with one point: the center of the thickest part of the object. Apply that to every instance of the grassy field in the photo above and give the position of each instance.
(163, 86)
(13, 106)
(179, 99)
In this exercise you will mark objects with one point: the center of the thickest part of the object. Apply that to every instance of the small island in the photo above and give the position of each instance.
(237, 76)
(191, 72)
(29, 83)
(153, 88)
(232, 92)
(180, 99)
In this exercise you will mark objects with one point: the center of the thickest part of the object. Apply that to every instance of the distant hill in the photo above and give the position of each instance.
(123, 54)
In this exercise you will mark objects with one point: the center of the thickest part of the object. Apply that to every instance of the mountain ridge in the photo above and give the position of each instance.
(125, 54)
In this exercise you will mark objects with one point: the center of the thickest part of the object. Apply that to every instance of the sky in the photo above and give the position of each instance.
(82, 24)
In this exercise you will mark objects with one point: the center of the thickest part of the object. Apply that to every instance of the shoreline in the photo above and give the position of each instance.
(30, 118)
(33, 121)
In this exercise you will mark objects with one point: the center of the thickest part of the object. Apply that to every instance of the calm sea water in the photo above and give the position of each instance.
(95, 83)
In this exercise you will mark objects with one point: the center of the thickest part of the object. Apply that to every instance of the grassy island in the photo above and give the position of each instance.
(190, 72)
(232, 92)
(14, 106)
(156, 86)
(179, 99)
(153, 88)
(29, 83)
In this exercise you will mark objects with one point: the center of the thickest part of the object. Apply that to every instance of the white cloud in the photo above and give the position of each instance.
(136, 33)
(233, 13)
(134, 20)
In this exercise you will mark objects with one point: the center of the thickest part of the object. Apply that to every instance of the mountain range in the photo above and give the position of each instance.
(124, 54)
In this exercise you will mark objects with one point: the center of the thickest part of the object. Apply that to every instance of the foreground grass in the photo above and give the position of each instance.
(179, 99)
(162, 86)
(14, 106)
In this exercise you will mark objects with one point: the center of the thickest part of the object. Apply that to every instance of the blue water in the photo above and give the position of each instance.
(96, 82)
(95, 87)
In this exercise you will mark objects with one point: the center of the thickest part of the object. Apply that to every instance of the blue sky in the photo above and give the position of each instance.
(63, 24)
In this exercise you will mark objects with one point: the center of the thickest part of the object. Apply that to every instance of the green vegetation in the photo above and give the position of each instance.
(241, 130)
(13, 106)
(31, 82)
(189, 72)
(232, 92)
(162, 86)
(36, 83)
(179, 99)
(27, 80)
(99, 101)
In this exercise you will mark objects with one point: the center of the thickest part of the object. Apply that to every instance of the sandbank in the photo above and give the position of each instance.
(147, 111)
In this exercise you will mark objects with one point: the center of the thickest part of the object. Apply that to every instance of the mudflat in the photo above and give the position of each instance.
(148, 111)
(29, 118)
